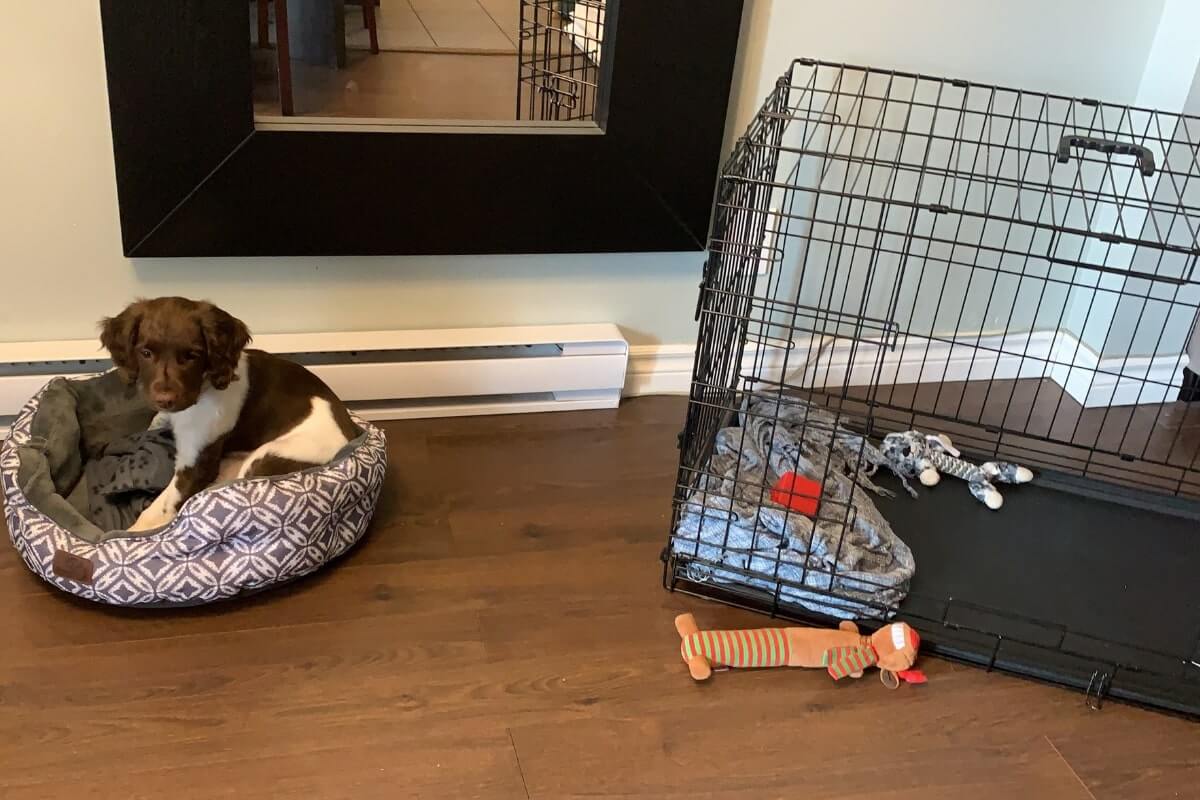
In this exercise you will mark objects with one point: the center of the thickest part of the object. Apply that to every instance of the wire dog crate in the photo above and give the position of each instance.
(1013, 269)
(559, 53)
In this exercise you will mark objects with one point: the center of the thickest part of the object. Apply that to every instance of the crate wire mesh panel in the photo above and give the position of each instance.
(559, 52)
(1011, 268)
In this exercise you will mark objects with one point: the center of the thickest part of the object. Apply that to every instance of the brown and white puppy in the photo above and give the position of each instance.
(235, 413)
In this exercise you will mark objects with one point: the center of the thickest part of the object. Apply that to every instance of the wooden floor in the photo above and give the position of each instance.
(410, 85)
(502, 632)
(479, 25)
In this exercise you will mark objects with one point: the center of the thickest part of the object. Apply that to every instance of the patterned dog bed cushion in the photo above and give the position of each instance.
(231, 539)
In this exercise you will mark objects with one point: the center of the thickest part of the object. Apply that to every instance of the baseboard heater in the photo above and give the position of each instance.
(398, 374)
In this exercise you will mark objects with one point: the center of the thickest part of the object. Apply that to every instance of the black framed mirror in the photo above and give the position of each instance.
(612, 143)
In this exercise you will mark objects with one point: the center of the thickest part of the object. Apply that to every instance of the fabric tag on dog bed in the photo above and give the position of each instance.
(72, 567)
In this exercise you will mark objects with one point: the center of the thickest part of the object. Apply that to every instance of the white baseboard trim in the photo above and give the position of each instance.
(596, 364)
(1092, 381)
(659, 369)
(667, 369)
(1114, 380)
(488, 406)
(400, 374)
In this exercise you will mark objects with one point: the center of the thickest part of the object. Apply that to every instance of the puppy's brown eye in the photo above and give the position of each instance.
(190, 355)
(145, 353)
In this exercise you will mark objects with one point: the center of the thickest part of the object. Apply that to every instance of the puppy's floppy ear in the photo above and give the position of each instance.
(119, 335)
(225, 336)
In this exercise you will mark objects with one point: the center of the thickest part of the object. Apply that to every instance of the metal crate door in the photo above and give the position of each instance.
(794, 276)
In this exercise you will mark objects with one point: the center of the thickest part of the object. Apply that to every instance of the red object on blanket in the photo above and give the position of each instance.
(797, 493)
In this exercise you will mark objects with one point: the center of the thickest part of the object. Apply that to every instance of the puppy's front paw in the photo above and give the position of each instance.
(160, 512)
(141, 525)
(155, 516)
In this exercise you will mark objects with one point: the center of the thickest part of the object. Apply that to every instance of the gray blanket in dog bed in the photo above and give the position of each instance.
(846, 569)
(92, 464)
(125, 477)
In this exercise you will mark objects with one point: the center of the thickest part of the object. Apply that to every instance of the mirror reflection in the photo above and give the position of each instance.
(495, 61)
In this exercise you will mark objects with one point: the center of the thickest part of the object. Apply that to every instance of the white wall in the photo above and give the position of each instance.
(1116, 325)
(1086, 48)
(1174, 54)
(58, 219)
(1070, 47)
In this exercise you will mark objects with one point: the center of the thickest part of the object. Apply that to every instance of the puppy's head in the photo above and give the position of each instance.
(172, 348)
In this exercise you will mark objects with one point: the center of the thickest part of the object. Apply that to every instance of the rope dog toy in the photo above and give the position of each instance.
(842, 652)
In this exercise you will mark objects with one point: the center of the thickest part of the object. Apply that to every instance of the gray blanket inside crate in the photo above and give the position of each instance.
(842, 569)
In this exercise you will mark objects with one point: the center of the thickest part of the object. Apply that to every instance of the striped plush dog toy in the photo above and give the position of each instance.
(842, 652)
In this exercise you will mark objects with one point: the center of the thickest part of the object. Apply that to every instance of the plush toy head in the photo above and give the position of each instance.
(896, 646)
(908, 453)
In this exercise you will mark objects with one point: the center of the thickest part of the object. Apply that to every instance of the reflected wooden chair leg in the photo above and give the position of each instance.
(283, 56)
(368, 7)
(264, 23)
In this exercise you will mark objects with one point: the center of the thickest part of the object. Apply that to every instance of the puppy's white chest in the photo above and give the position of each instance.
(214, 415)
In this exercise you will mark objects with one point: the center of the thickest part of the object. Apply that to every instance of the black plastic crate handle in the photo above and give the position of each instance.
(1145, 159)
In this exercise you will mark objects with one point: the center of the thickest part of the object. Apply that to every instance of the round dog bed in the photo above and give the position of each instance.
(231, 539)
